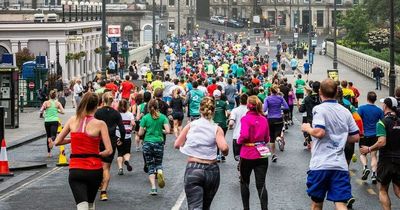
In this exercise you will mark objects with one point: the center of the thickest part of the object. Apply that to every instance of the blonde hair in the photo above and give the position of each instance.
(107, 99)
(254, 104)
(207, 108)
(152, 106)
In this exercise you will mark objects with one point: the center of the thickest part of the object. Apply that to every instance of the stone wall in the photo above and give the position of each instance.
(139, 54)
(361, 62)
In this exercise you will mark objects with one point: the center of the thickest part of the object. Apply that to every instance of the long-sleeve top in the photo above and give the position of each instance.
(274, 104)
(291, 98)
(113, 120)
(250, 132)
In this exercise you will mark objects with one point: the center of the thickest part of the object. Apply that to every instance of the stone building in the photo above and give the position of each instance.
(284, 14)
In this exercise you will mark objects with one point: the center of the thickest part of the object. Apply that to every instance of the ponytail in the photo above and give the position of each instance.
(108, 98)
(152, 106)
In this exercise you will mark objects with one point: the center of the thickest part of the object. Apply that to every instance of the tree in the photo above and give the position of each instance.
(356, 23)
(378, 10)
(23, 56)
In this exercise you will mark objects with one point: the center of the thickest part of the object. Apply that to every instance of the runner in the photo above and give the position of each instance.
(176, 105)
(192, 101)
(85, 167)
(199, 140)
(234, 121)
(51, 108)
(388, 132)
(254, 152)
(221, 115)
(152, 126)
(299, 85)
(273, 105)
(126, 88)
(113, 119)
(307, 106)
(329, 173)
(124, 145)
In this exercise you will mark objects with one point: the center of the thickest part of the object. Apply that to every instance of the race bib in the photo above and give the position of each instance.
(263, 150)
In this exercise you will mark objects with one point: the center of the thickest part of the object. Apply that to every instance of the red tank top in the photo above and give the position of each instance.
(85, 148)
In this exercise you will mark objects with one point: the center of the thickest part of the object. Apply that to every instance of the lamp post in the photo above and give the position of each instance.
(103, 38)
(309, 29)
(82, 4)
(179, 30)
(70, 5)
(154, 35)
(63, 10)
(335, 62)
(76, 3)
(100, 7)
(87, 10)
(96, 4)
(392, 70)
(91, 10)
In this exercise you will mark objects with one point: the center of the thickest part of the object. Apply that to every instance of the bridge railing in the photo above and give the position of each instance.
(362, 63)
(139, 54)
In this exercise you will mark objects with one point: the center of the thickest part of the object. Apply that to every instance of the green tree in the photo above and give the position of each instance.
(378, 10)
(356, 23)
(23, 56)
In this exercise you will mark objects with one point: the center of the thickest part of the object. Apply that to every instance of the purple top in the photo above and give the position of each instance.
(291, 98)
(273, 104)
(250, 132)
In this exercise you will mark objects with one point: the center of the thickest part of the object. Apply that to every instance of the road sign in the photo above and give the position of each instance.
(31, 85)
(114, 31)
(296, 35)
(333, 74)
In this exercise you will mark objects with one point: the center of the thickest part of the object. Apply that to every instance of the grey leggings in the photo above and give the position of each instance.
(201, 185)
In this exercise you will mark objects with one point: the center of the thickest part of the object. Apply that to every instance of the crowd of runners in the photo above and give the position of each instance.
(210, 85)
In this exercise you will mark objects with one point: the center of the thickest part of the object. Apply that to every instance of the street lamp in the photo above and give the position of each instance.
(70, 5)
(392, 70)
(87, 10)
(82, 4)
(76, 3)
(63, 10)
(96, 4)
(91, 10)
(103, 38)
(335, 62)
(179, 31)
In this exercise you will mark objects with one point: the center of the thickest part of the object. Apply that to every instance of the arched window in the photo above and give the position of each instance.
(3, 50)
(147, 33)
(128, 33)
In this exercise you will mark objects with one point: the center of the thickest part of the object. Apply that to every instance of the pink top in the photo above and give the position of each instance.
(254, 128)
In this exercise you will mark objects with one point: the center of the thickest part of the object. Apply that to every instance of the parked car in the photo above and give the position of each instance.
(234, 24)
(215, 19)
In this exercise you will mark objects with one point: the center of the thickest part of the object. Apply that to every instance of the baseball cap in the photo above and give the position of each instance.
(391, 102)
(217, 93)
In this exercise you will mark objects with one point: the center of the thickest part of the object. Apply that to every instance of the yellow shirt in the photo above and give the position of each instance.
(157, 84)
(170, 51)
(348, 92)
(165, 65)
(149, 76)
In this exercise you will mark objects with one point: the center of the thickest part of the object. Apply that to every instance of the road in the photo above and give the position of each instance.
(48, 188)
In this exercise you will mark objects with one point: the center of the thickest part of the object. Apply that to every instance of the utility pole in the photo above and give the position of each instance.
(309, 30)
(392, 72)
(179, 30)
(154, 35)
(335, 62)
(103, 39)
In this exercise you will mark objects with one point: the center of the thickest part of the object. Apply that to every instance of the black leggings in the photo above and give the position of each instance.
(225, 130)
(201, 185)
(349, 151)
(291, 112)
(236, 148)
(260, 167)
(85, 184)
(51, 132)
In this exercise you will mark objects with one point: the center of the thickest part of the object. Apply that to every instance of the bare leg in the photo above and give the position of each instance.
(152, 179)
(119, 161)
(340, 206)
(396, 189)
(316, 206)
(374, 161)
(384, 197)
(106, 176)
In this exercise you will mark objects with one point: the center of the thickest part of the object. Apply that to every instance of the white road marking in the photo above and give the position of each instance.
(20, 188)
(179, 202)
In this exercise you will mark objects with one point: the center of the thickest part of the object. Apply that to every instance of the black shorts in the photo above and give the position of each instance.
(275, 128)
(177, 116)
(137, 125)
(349, 151)
(388, 171)
(299, 95)
(294, 68)
(125, 148)
(306, 72)
(110, 158)
(367, 141)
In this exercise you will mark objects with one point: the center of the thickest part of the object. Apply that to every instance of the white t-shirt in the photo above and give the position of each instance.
(127, 118)
(237, 114)
(168, 88)
(328, 153)
(78, 88)
(203, 89)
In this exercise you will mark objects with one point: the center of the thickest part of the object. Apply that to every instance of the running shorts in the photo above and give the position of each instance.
(124, 148)
(388, 171)
(367, 141)
(275, 128)
(299, 95)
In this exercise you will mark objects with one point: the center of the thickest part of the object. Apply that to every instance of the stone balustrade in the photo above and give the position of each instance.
(361, 62)
(139, 54)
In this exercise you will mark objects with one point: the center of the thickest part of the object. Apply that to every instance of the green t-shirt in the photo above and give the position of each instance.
(142, 106)
(240, 72)
(154, 127)
(299, 85)
(262, 96)
(220, 113)
(100, 90)
(266, 87)
(380, 129)
(195, 97)
(244, 90)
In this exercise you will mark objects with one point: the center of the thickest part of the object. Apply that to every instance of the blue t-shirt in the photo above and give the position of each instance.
(274, 65)
(306, 67)
(370, 115)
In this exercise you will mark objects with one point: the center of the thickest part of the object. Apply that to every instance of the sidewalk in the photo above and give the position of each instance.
(31, 127)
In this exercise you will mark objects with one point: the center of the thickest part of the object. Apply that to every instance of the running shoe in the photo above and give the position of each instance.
(160, 178)
(280, 143)
(373, 179)
(365, 174)
(274, 158)
(103, 196)
(153, 192)
(120, 171)
(350, 203)
(128, 166)
(237, 157)
(219, 158)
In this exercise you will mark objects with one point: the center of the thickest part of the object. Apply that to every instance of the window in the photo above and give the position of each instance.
(128, 33)
(171, 2)
(187, 2)
(171, 26)
(356, 1)
(320, 18)
(306, 1)
(339, 2)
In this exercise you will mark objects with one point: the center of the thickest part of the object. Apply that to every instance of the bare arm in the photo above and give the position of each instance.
(61, 140)
(221, 142)
(106, 140)
(60, 108)
(379, 144)
(318, 133)
(141, 131)
(180, 141)
(167, 129)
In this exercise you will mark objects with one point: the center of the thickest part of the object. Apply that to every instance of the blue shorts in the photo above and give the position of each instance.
(332, 182)
(167, 99)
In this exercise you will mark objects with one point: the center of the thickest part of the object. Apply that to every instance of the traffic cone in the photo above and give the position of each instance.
(62, 159)
(4, 169)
